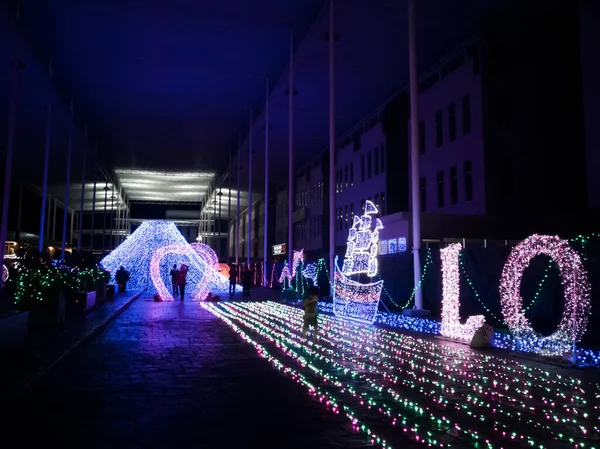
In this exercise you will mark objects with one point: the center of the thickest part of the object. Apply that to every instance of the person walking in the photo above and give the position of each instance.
(182, 279)
(232, 279)
(174, 272)
(122, 277)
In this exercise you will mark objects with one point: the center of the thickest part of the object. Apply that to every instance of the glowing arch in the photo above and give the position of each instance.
(575, 283)
(4, 273)
(158, 281)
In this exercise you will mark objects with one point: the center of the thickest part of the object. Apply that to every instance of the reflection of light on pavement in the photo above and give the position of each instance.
(438, 394)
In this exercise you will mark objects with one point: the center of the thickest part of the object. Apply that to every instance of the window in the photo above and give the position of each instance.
(369, 165)
(352, 212)
(468, 171)
(421, 137)
(382, 210)
(377, 201)
(376, 161)
(452, 122)
(346, 177)
(466, 113)
(423, 191)
(362, 206)
(440, 188)
(439, 128)
(382, 159)
(351, 174)
(453, 185)
(346, 216)
(362, 168)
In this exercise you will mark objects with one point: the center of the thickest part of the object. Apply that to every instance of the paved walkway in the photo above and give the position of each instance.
(172, 375)
(42, 350)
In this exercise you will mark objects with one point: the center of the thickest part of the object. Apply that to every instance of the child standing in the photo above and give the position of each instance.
(310, 306)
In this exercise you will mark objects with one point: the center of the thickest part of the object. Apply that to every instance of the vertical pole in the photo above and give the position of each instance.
(331, 146)
(229, 210)
(54, 214)
(67, 188)
(72, 228)
(266, 211)
(104, 218)
(218, 228)
(291, 154)
(93, 230)
(10, 145)
(82, 201)
(19, 213)
(45, 179)
(111, 238)
(237, 218)
(250, 150)
(414, 153)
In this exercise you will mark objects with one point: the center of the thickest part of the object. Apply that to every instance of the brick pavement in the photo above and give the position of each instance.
(171, 375)
(43, 349)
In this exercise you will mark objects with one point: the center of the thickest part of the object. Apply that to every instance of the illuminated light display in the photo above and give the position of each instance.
(197, 281)
(407, 385)
(352, 299)
(297, 259)
(136, 253)
(576, 289)
(362, 244)
(4, 273)
(311, 271)
(206, 253)
(451, 325)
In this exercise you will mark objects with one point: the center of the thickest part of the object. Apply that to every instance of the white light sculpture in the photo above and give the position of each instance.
(353, 299)
(451, 325)
(576, 289)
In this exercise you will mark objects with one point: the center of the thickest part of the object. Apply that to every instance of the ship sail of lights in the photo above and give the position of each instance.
(352, 299)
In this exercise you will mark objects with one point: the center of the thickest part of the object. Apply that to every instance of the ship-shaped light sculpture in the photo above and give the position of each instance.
(353, 299)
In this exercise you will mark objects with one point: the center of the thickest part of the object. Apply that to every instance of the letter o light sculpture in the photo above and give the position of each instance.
(576, 286)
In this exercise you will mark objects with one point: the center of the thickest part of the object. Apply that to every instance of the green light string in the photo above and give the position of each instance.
(428, 262)
(583, 240)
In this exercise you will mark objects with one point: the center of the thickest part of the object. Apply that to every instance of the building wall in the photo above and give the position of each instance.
(361, 167)
(451, 132)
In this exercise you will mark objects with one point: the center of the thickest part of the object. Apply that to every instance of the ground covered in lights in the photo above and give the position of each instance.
(393, 387)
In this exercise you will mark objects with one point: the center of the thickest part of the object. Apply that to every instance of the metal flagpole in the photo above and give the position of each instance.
(68, 186)
(266, 208)
(291, 154)
(237, 218)
(229, 210)
(82, 202)
(45, 180)
(414, 153)
(10, 146)
(104, 219)
(250, 150)
(331, 146)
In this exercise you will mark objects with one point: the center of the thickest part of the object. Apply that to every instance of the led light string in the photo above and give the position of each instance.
(412, 356)
(368, 402)
(545, 374)
(295, 314)
(576, 290)
(318, 391)
(428, 263)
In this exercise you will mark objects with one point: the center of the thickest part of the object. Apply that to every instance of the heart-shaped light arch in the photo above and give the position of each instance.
(181, 250)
